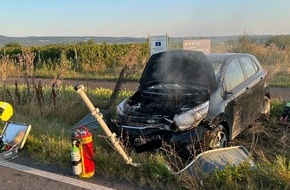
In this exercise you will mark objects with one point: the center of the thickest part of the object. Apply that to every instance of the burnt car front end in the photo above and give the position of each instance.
(171, 103)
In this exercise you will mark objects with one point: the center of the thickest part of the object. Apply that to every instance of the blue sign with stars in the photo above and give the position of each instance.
(157, 43)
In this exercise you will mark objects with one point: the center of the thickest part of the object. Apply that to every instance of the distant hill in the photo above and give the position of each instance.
(45, 40)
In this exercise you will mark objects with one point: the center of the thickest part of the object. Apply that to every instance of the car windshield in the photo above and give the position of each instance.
(216, 66)
(174, 87)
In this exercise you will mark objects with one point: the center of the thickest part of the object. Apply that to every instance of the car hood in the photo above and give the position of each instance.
(179, 67)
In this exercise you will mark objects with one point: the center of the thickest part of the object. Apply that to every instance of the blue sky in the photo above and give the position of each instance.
(139, 18)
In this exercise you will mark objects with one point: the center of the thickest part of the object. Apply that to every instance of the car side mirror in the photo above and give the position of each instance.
(225, 92)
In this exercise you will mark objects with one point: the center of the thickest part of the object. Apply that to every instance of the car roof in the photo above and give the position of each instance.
(223, 57)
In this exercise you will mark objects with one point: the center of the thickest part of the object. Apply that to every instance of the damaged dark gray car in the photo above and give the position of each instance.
(192, 102)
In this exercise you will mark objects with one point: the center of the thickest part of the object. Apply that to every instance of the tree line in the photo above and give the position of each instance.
(81, 59)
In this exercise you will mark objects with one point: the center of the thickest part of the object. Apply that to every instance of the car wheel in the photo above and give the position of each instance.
(220, 138)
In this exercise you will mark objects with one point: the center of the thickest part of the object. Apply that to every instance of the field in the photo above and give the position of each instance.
(45, 106)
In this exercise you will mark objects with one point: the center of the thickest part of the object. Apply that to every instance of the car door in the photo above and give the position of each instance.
(237, 97)
(254, 84)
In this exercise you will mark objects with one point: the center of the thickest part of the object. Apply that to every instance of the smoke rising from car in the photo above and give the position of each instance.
(185, 68)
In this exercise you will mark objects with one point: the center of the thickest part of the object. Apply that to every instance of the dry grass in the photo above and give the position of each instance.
(266, 139)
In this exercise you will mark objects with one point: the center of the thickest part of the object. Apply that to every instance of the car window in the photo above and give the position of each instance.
(255, 65)
(234, 74)
(249, 66)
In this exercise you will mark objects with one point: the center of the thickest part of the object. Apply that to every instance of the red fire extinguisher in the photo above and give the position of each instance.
(85, 146)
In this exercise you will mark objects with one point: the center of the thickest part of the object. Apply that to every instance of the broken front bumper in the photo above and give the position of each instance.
(147, 138)
(142, 138)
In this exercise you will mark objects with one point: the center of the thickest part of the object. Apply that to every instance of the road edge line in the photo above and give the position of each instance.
(53, 176)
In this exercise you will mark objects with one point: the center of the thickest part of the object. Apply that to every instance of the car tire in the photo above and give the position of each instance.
(220, 138)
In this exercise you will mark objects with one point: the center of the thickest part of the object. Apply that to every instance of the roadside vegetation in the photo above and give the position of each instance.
(53, 109)
(82, 60)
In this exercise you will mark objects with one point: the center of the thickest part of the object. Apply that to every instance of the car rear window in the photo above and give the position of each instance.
(249, 66)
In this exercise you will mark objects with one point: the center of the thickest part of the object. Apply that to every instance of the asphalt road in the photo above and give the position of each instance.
(18, 179)
(276, 92)
(24, 174)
